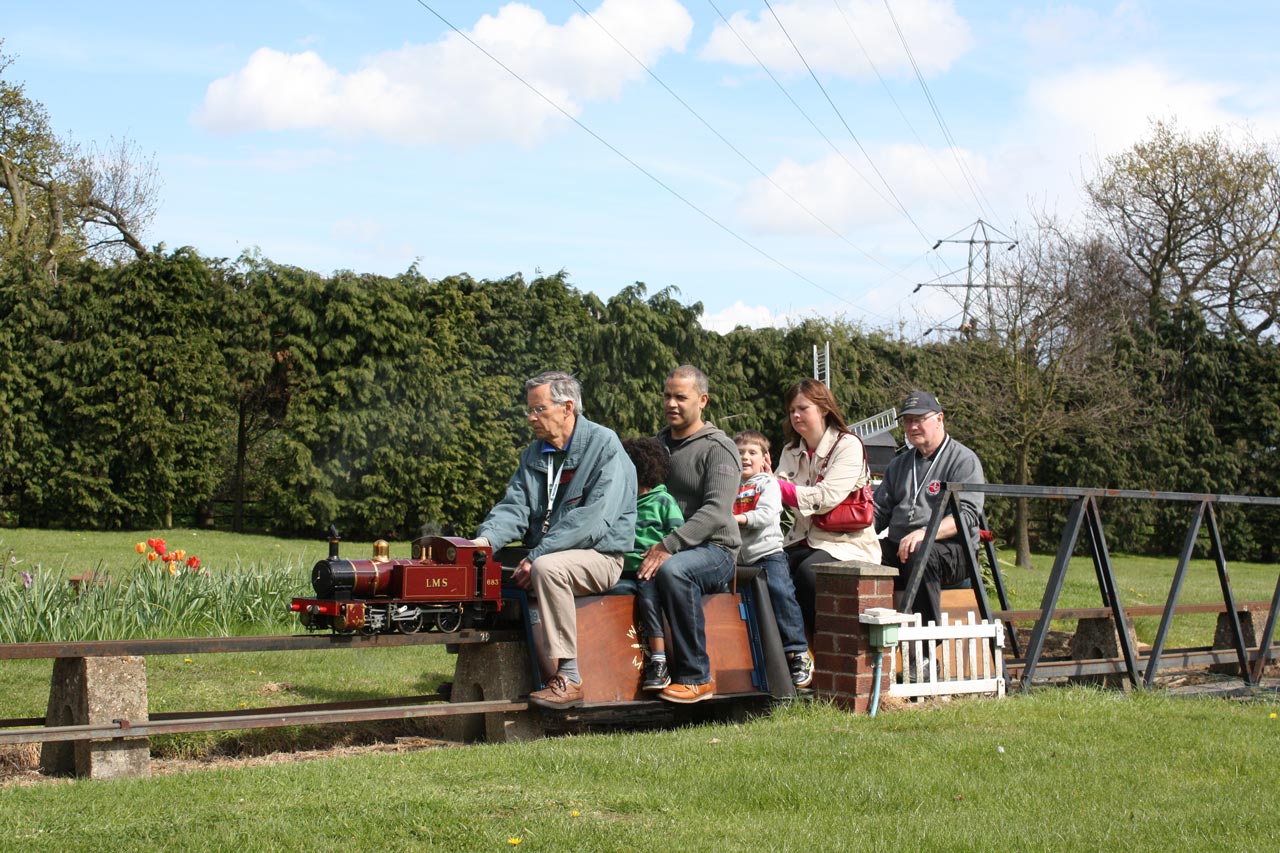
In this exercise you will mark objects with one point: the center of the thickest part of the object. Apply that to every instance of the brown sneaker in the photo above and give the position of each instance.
(560, 692)
(687, 694)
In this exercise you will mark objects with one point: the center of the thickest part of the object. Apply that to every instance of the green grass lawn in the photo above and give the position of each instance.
(1062, 769)
(72, 552)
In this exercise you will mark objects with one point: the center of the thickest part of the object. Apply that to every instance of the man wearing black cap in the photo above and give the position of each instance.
(912, 488)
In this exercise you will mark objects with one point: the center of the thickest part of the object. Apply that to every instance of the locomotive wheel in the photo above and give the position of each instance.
(449, 621)
(410, 626)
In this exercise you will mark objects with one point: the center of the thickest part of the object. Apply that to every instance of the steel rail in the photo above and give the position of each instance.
(212, 645)
(1175, 658)
(259, 720)
(1074, 492)
(16, 722)
(1138, 610)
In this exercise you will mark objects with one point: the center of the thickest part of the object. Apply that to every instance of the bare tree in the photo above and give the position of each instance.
(116, 196)
(1050, 322)
(57, 202)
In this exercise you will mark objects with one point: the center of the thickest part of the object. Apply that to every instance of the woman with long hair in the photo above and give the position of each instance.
(822, 462)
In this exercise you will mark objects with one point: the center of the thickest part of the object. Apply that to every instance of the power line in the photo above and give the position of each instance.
(888, 91)
(783, 89)
(744, 241)
(937, 114)
(840, 115)
(898, 273)
(731, 146)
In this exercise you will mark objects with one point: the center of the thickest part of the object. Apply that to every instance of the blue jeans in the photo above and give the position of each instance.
(682, 581)
(803, 558)
(782, 595)
(648, 608)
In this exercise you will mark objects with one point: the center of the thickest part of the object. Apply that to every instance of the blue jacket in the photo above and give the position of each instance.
(595, 506)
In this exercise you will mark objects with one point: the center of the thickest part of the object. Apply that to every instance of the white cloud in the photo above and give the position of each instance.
(1074, 120)
(1112, 107)
(829, 36)
(741, 314)
(360, 229)
(449, 91)
(843, 198)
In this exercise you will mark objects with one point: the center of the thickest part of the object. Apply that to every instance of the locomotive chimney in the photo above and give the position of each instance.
(333, 542)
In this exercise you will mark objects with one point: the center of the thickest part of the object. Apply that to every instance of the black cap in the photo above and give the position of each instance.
(920, 403)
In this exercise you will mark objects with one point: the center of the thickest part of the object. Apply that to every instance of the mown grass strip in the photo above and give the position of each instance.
(1068, 769)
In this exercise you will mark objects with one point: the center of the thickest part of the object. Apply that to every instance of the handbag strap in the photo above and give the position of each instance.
(866, 462)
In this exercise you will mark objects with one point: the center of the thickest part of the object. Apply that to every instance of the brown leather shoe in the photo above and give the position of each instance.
(687, 694)
(559, 693)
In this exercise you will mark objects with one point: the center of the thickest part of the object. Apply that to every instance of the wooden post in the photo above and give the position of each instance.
(843, 655)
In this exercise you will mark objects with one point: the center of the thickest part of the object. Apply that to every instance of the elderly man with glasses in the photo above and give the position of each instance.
(572, 502)
(912, 488)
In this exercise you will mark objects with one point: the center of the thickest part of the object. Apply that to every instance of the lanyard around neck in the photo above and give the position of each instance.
(553, 486)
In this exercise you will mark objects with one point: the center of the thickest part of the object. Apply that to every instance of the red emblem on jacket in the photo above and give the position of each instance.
(935, 487)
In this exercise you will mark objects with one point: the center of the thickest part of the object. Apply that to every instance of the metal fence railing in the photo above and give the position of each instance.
(1085, 516)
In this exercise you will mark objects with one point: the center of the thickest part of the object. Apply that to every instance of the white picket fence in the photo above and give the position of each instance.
(948, 659)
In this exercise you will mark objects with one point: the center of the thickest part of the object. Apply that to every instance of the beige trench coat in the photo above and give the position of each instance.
(841, 462)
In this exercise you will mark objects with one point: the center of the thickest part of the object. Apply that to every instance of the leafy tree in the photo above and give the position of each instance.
(24, 440)
(634, 343)
(1199, 220)
(132, 398)
(267, 363)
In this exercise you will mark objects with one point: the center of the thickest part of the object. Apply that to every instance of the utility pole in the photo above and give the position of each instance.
(977, 270)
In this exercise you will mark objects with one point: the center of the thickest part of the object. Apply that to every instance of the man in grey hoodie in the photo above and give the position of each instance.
(699, 557)
(572, 501)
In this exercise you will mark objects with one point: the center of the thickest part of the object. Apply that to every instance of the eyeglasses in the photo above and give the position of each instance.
(914, 420)
(539, 411)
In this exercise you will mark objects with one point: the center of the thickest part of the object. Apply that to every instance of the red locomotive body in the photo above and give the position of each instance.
(448, 583)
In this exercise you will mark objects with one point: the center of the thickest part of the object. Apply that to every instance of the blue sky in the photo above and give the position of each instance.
(371, 137)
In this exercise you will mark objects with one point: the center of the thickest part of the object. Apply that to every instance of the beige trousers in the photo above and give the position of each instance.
(557, 578)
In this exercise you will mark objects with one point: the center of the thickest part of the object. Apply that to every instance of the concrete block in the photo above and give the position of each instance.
(1098, 638)
(488, 671)
(97, 691)
(1252, 624)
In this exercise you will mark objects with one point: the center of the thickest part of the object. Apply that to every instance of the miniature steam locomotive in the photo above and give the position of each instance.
(448, 584)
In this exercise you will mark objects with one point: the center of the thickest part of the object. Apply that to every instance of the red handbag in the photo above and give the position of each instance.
(856, 512)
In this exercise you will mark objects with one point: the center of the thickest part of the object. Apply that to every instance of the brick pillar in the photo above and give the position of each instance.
(843, 656)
